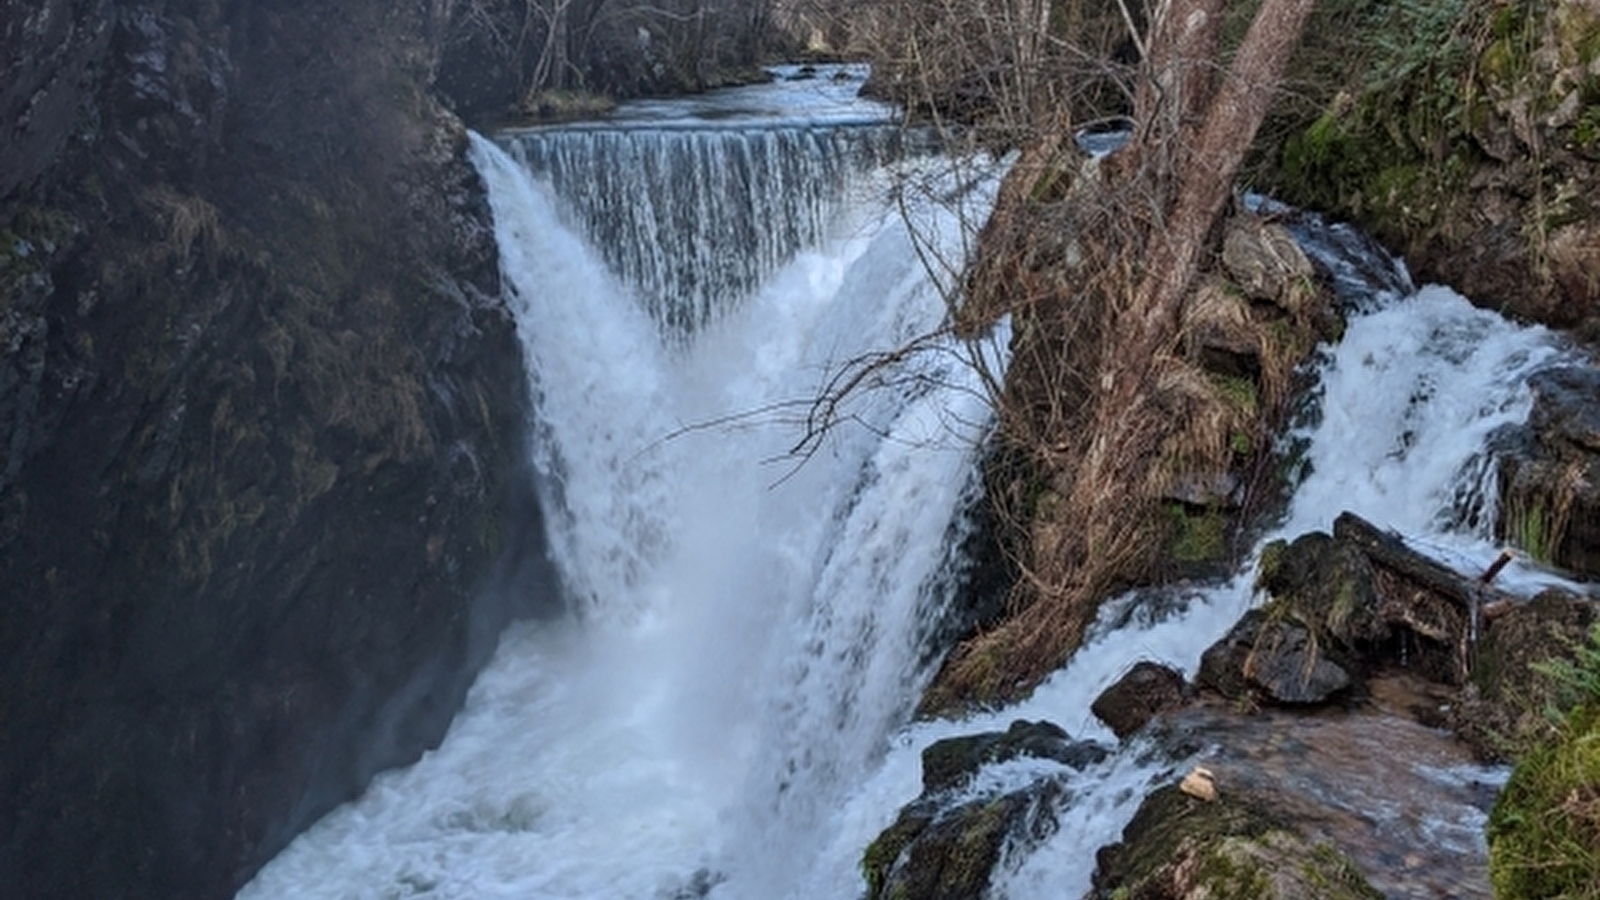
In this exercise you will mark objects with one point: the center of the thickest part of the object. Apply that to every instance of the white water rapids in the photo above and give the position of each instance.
(726, 712)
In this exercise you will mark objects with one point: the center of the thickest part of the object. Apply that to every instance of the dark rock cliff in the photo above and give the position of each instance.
(261, 411)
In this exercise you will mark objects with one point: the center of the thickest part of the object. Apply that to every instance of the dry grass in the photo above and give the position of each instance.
(357, 371)
(190, 222)
(1068, 423)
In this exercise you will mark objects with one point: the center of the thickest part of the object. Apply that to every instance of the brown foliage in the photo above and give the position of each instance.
(1096, 276)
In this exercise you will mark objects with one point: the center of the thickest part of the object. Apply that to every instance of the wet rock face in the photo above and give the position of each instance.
(1550, 472)
(261, 504)
(937, 853)
(1148, 690)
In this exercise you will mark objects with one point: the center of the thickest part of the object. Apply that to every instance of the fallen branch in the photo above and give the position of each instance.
(1389, 550)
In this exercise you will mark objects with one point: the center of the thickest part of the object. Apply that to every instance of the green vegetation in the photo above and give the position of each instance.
(1239, 393)
(1577, 678)
(1544, 831)
(880, 856)
(1538, 516)
(1396, 147)
(1198, 535)
(1532, 527)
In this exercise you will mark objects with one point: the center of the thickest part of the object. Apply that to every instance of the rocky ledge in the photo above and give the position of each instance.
(1339, 741)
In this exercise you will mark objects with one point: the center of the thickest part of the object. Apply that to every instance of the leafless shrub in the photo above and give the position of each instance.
(190, 222)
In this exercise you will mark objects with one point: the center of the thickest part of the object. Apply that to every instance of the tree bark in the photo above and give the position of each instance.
(1205, 175)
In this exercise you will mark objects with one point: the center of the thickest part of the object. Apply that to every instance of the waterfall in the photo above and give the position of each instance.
(695, 219)
(725, 713)
(748, 627)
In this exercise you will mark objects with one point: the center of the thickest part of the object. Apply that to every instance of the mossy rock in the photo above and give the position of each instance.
(933, 853)
(944, 845)
(1198, 536)
(1466, 136)
(1180, 846)
(1327, 583)
(1544, 830)
(1502, 712)
(1550, 472)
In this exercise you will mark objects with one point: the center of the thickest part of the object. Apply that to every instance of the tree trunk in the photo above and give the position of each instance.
(1205, 175)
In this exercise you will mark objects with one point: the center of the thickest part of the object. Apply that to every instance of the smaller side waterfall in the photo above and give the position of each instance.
(694, 220)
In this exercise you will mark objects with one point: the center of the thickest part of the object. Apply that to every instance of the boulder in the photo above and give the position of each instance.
(945, 844)
(1179, 846)
(1566, 407)
(1550, 472)
(952, 762)
(936, 853)
(1264, 259)
(1273, 659)
(1369, 601)
(1148, 690)
(1325, 581)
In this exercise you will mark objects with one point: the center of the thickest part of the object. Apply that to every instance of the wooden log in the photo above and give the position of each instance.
(1387, 549)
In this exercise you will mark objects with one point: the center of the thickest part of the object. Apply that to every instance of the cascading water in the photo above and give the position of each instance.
(694, 204)
(747, 630)
(725, 713)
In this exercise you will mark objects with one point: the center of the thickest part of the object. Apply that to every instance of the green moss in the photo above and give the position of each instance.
(1241, 444)
(1229, 870)
(1388, 148)
(1577, 676)
(1229, 848)
(1544, 831)
(1531, 526)
(1238, 392)
(1586, 128)
(489, 535)
(878, 860)
(1198, 536)
(1271, 562)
